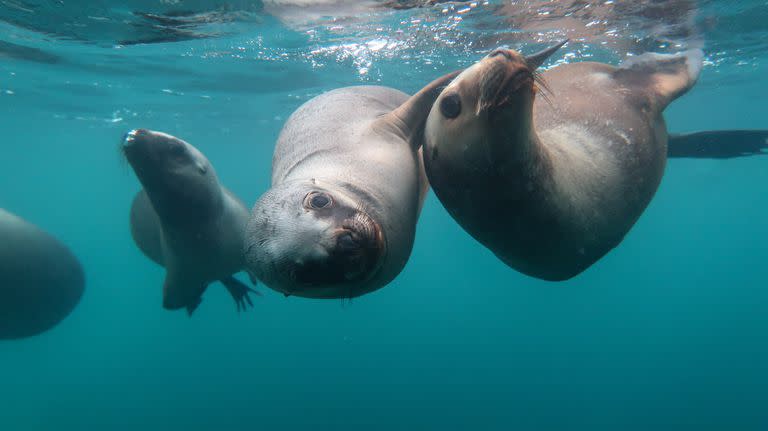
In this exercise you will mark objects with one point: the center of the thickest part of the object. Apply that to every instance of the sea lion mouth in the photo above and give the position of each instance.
(355, 256)
(153, 155)
(507, 73)
(136, 147)
(127, 144)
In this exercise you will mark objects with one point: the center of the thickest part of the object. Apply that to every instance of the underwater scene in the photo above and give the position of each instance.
(384, 215)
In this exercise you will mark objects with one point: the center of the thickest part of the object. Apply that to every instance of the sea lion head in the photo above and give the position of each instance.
(313, 239)
(179, 180)
(489, 102)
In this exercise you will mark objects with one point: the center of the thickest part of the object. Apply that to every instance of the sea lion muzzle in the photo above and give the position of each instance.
(506, 73)
(354, 257)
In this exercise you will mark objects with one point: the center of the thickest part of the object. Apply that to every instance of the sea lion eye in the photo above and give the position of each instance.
(318, 200)
(450, 106)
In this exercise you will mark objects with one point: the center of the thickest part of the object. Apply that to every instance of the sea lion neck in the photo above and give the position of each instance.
(182, 207)
(513, 125)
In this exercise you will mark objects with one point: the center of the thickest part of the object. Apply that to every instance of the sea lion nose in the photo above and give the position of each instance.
(501, 51)
(346, 243)
(130, 137)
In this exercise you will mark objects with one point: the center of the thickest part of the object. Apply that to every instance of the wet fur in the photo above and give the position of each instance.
(195, 251)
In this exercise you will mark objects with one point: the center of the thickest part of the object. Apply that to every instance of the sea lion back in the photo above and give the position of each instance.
(330, 123)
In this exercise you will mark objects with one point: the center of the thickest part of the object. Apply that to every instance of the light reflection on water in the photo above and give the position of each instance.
(220, 54)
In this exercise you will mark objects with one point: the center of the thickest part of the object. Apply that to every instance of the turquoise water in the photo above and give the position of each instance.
(667, 332)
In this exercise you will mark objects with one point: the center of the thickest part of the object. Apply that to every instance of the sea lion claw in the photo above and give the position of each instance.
(240, 292)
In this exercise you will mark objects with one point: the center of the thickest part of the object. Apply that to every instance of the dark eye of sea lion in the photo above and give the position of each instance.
(450, 106)
(318, 200)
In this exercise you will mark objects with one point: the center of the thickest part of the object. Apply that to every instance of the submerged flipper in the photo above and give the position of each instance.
(180, 290)
(662, 77)
(239, 292)
(719, 144)
(193, 306)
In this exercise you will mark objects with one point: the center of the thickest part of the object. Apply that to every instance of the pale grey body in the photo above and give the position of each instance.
(353, 147)
(41, 281)
(207, 252)
(552, 190)
(185, 220)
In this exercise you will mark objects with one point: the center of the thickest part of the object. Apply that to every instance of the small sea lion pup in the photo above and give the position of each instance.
(552, 185)
(41, 281)
(347, 187)
(185, 220)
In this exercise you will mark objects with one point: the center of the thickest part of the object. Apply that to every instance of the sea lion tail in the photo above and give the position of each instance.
(719, 144)
(665, 76)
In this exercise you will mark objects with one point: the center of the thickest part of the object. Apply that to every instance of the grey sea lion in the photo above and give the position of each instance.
(347, 187)
(185, 220)
(41, 281)
(551, 185)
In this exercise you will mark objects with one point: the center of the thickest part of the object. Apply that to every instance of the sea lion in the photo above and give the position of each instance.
(41, 281)
(347, 187)
(718, 144)
(551, 184)
(185, 220)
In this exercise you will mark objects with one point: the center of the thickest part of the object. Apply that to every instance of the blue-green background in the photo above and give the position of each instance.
(667, 332)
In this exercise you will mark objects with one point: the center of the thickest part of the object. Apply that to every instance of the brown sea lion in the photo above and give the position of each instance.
(551, 184)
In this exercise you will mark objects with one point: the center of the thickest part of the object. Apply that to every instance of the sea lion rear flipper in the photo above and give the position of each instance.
(239, 292)
(409, 118)
(193, 306)
(180, 290)
(665, 76)
(719, 144)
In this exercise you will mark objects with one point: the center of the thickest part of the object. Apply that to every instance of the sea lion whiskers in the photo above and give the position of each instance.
(501, 79)
(544, 90)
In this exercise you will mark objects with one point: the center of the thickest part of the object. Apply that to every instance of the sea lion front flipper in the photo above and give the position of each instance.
(665, 76)
(719, 144)
(193, 306)
(252, 277)
(239, 292)
(145, 227)
(409, 118)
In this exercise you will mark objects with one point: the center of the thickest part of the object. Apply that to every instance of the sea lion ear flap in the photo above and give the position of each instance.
(409, 119)
(534, 61)
(665, 76)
